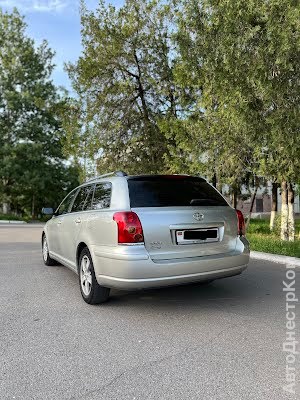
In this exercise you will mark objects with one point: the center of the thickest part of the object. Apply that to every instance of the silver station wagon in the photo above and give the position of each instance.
(132, 232)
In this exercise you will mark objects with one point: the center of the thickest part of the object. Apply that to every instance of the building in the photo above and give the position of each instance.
(263, 201)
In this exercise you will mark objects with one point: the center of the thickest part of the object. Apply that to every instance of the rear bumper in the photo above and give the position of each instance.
(123, 283)
(132, 268)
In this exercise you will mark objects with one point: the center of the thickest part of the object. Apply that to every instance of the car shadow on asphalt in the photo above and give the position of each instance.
(240, 290)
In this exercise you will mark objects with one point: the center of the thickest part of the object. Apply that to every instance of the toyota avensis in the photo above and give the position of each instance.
(132, 232)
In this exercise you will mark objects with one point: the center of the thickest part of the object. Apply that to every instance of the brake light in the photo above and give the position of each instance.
(241, 223)
(129, 227)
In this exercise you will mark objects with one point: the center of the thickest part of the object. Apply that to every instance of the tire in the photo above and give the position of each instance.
(45, 251)
(91, 291)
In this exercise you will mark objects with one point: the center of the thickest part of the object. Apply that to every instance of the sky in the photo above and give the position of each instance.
(58, 22)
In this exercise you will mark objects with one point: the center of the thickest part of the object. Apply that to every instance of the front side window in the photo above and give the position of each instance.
(102, 196)
(83, 199)
(65, 206)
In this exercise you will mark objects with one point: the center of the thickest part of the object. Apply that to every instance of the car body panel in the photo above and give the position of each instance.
(160, 226)
(134, 263)
(69, 235)
(134, 284)
(52, 228)
(159, 261)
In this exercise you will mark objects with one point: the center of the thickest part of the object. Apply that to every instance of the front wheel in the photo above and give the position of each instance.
(91, 291)
(45, 249)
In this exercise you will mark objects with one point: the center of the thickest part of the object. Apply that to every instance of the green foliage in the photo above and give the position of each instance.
(273, 245)
(124, 80)
(261, 239)
(277, 225)
(203, 87)
(32, 167)
(263, 226)
(259, 226)
(10, 217)
(242, 58)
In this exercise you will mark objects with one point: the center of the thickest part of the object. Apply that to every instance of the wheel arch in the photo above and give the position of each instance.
(80, 247)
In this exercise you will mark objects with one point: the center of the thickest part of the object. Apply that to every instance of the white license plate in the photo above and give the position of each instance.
(195, 236)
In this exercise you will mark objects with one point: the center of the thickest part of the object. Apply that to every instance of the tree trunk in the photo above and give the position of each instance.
(274, 208)
(291, 216)
(284, 211)
(234, 198)
(251, 207)
(5, 208)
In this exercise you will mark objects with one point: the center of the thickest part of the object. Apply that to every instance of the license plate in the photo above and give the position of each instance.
(195, 236)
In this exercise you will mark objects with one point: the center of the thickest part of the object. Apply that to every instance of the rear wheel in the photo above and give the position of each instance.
(91, 291)
(45, 249)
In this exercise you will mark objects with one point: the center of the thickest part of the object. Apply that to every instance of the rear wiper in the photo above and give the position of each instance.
(200, 202)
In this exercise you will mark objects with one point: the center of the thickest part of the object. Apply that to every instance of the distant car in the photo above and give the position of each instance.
(132, 232)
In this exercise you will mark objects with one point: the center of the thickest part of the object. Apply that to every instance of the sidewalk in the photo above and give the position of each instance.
(276, 258)
(4, 221)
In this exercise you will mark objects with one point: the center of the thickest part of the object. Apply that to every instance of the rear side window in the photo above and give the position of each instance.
(172, 191)
(102, 196)
(82, 199)
(88, 200)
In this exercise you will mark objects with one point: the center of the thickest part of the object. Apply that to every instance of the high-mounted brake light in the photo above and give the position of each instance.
(129, 227)
(241, 223)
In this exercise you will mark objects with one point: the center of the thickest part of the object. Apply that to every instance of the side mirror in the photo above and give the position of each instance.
(47, 211)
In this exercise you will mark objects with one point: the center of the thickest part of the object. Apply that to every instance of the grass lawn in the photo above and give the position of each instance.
(261, 239)
(10, 217)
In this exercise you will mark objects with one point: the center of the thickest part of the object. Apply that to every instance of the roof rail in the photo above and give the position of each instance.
(115, 173)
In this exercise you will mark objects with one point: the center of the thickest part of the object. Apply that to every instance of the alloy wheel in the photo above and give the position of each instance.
(45, 249)
(86, 275)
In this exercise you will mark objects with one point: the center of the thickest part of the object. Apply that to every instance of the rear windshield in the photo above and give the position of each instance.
(172, 191)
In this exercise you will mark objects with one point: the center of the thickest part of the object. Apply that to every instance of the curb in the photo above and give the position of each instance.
(276, 258)
(3, 221)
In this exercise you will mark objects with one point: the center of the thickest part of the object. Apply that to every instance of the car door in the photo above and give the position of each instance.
(73, 222)
(54, 226)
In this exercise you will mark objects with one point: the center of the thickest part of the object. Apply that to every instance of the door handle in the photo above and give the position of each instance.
(77, 221)
(59, 222)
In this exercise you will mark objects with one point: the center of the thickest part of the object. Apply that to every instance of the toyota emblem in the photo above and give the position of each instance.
(198, 216)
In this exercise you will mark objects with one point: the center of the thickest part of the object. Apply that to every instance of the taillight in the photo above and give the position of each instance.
(129, 227)
(241, 223)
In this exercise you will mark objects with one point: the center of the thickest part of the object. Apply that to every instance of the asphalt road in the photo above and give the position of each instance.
(218, 342)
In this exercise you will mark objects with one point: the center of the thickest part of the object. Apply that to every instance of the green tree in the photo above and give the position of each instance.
(30, 128)
(124, 81)
(242, 57)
